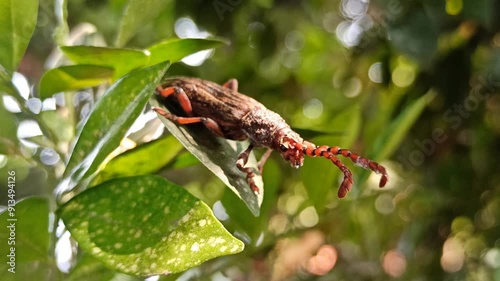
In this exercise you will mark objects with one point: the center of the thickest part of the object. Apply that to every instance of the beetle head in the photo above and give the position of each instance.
(289, 146)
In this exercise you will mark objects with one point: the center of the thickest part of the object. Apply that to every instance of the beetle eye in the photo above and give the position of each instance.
(283, 148)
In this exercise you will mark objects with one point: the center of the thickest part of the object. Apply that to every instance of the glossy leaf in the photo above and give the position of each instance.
(176, 49)
(219, 156)
(16, 27)
(110, 119)
(146, 225)
(142, 160)
(73, 77)
(30, 221)
(137, 14)
(121, 60)
(389, 140)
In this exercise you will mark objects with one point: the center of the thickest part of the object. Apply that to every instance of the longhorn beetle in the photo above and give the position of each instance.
(231, 115)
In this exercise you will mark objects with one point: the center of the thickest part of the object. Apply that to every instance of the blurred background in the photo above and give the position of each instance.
(411, 84)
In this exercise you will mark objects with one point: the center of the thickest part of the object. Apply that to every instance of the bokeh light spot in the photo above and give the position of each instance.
(28, 129)
(394, 263)
(186, 28)
(492, 258)
(64, 252)
(308, 217)
(454, 7)
(278, 224)
(323, 262)
(384, 204)
(49, 157)
(294, 41)
(220, 212)
(352, 87)
(11, 104)
(375, 72)
(313, 108)
(34, 104)
(453, 256)
(403, 76)
(21, 83)
(354, 8)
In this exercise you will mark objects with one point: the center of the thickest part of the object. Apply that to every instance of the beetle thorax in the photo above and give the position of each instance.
(263, 126)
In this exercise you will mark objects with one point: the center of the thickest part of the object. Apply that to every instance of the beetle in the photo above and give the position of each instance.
(235, 116)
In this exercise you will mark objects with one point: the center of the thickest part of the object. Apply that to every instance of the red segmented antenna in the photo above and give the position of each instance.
(331, 152)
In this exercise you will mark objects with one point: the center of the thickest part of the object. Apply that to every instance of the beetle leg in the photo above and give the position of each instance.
(179, 94)
(209, 123)
(231, 84)
(263, 159)
(240, 164)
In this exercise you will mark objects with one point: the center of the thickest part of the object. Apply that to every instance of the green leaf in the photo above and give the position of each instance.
(73, 77)
(184, 160)
(146, 225)
(389, 140)
(17, 24)
(219, 156)
(6, 83)
(176, 49)
(121, 60)
(59, 127)
(137, 14)
(143, 160)
(8, 130)
(17, 163)
(110, 119)
(29, 219)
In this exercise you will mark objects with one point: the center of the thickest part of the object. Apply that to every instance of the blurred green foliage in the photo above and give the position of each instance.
(411, 84)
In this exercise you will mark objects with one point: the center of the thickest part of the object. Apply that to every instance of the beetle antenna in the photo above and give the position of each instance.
(331, 152)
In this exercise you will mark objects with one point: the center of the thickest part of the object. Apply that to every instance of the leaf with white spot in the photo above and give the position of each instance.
(146, 225)
(110, 119)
